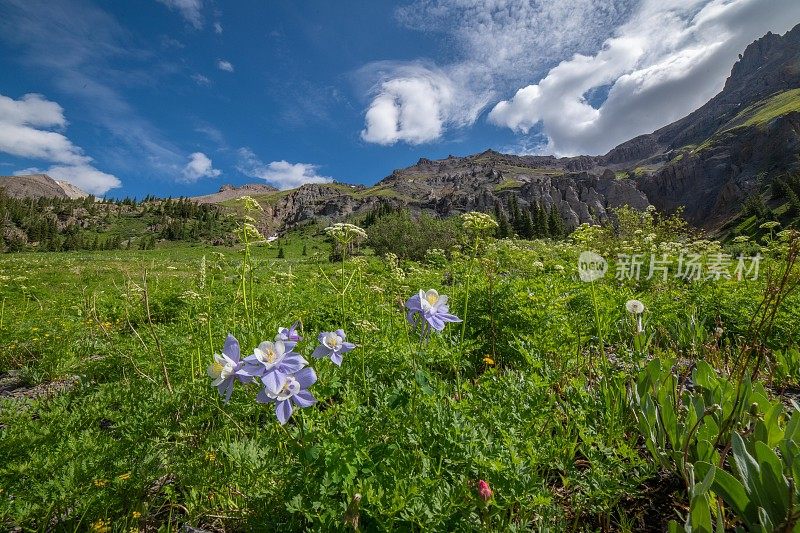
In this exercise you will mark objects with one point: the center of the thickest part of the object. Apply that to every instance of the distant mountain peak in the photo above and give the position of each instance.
(39, 186)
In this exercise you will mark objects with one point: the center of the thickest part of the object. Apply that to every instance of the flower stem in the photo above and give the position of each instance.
(466, 309)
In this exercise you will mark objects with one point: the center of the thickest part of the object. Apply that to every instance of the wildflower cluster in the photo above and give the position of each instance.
(283, 373)
(344, 233)
(477, 222)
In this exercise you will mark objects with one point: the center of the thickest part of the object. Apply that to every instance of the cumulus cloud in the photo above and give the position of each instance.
(217, 28)
(190, 10)
(498, 42)
(199, 166)
(669, 59)
(85, 177)
(24, 133)
(413, 106)
(224, 65)
(281, 174)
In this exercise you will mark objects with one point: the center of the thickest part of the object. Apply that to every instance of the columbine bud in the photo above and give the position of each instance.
(484, 491)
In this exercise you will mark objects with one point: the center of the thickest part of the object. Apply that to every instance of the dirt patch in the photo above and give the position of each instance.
(14, 387)
(654, 505)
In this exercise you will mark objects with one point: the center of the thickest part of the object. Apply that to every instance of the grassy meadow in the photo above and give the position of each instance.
(577, 417)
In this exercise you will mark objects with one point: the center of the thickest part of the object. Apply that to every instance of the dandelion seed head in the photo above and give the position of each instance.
(634, 307)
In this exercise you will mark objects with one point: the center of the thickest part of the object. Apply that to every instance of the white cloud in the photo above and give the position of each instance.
(412, 106)
(199, 79)
(669, 59)
(199, 166)
(22, 135)
(499, 44)
(189, 10)
(85, 177)
(217, 28)
(281, 174)
(224, 65)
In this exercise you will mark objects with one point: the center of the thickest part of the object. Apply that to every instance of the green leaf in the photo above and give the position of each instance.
(746, 466)
(423, 380)
(700, 514)
(675, 527)
(733, 492)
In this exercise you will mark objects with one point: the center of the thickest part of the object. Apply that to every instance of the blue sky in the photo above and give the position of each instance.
(177, 97)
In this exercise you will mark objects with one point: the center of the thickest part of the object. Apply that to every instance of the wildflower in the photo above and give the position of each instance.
(770, 225)
(101, 526)
(100, 482)
(250, 204)
(635, 307)
(248, 232)
(289, 335)
(123, 477)
(332, 344)
(484, 491)
(273, 362)
(211, 457)
(293, 390)
(226, 367)
(345, 233)
(477, 222)
(136, 515)
(431, 306)
(488, 360)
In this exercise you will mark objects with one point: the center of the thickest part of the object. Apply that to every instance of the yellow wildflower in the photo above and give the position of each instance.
(488, 360)
(101, 526)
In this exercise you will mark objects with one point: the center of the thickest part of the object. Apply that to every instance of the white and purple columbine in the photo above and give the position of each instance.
(294, 390)
(273, 362)
(289, 334)
(333, 344)
(432, 307)
(227, 367)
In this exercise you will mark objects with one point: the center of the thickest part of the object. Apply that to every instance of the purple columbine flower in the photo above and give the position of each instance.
(227, 367)
(293, 390)
(288, 335)
(431, 306)
(273, 362)
(332, 344)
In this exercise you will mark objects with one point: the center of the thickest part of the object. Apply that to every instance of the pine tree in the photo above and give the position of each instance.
(527, 226)
(555, 224)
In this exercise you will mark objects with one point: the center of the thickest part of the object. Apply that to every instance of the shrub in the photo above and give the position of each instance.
(410, 238)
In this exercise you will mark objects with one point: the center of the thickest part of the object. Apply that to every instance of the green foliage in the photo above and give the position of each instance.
(411, 238)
